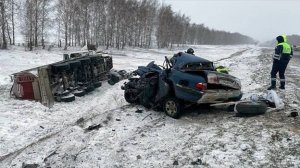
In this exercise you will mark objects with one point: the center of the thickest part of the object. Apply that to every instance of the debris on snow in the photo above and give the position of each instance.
(93, 127)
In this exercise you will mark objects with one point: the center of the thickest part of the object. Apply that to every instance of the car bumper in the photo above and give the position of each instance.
(217, 96)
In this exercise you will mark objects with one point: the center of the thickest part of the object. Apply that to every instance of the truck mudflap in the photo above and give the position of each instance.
(217, 96)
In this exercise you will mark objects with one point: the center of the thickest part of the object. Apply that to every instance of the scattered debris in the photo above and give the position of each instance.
(175, 162)
(93, 127)
(197, 162)
(245, 147)
(80, 120)
(294, 114)
(139, 111)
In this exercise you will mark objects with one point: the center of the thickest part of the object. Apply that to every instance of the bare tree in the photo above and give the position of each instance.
(4, 42)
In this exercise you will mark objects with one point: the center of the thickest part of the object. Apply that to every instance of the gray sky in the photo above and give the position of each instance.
(263, 20)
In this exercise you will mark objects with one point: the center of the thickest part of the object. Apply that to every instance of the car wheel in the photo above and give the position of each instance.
(250, 108)
(130, 96)
(172, 107)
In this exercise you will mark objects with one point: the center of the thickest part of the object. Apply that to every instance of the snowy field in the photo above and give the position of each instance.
(58, 137)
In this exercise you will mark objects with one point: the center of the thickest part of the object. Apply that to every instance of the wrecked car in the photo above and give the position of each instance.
(183, 79)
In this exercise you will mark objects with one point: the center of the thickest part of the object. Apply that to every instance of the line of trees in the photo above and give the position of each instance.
(7, 22)
(110, 23)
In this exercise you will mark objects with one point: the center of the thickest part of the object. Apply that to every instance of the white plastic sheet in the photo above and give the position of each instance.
(273, 97)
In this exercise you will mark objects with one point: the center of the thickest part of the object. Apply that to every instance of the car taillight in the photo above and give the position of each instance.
(201, 86)
(212, 78)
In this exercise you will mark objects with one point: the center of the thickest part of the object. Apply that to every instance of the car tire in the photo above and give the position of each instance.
(130, 97)
(172, 107)
(250, 108)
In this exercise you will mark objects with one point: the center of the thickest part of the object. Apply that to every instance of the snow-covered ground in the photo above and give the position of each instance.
(57, 137)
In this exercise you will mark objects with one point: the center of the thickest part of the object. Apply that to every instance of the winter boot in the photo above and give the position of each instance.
(282, 85)
(273, 85)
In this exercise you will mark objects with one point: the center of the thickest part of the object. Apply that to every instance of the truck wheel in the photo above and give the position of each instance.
(97, 84)
(130, 96)
(79, 93)
(172, 107)
(89, 89)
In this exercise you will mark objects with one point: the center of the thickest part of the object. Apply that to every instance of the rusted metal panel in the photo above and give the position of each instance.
(36, 89)
(45, 89)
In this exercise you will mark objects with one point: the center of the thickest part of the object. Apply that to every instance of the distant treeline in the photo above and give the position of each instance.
(292, 40)
(110, 23)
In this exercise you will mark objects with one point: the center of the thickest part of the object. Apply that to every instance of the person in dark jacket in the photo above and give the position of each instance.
(281, 58)
(190, 51)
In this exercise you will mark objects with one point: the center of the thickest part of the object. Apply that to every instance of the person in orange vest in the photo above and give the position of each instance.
(281, 58)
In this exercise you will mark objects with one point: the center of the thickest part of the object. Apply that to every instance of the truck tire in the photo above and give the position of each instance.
(68, 98)
(97, 84)
(79, 93)
(89, 89)
(172, 107)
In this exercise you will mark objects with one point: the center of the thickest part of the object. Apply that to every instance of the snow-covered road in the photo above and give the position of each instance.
(58, 137)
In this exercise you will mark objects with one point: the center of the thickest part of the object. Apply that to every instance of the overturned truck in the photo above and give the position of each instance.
(62, 81)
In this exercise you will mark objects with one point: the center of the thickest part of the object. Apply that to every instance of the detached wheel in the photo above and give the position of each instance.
(172, 107)
(250, 108)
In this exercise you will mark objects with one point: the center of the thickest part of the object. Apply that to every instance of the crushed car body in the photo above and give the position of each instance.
(183, 79)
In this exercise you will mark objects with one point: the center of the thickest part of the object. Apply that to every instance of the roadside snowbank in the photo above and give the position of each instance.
(57, 137)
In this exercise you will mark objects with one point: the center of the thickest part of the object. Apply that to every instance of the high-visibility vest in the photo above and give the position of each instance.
(286, 47)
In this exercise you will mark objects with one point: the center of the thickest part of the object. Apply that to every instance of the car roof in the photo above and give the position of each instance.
(185, 58)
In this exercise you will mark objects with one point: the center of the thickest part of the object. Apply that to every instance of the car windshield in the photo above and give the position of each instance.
(196, 66)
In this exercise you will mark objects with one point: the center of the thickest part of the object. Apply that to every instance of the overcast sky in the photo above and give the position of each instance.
(262, 20)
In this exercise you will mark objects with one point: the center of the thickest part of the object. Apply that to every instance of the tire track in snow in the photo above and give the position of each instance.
(15, 153)
(236, 54)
